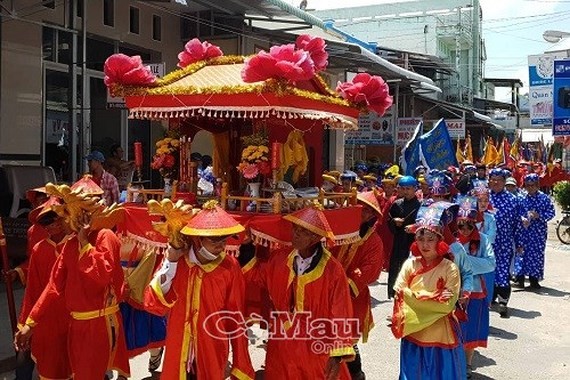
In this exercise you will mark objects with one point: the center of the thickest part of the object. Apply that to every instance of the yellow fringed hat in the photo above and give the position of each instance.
(358, 181)
(334, 173)
(313, 219)
(212, 220)
(370, 177)
(330, 178)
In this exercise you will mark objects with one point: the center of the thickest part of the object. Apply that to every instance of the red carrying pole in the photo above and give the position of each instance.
(9, 289)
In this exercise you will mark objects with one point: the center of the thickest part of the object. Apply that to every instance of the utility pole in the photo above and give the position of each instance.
(458, 54)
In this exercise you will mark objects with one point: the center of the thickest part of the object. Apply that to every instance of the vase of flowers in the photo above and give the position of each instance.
(255, 157)
(165, 160)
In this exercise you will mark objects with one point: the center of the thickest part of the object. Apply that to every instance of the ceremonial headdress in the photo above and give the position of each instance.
(532, 177)
(334, 173)
(358, 181)
(469, 169)
(480, 187)
(468, 209)
(369, 199)
(431, 218)
(31, 194)
(313, 219)
(212, 220)
(87, 186)
(439, 184)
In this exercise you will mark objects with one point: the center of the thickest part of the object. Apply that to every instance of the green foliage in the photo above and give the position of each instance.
(562, 194)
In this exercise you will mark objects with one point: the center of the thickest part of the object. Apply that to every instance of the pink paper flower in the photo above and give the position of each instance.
(122, 69)
(195, 51)
(315, 46)
(281, 62)
(367, 90)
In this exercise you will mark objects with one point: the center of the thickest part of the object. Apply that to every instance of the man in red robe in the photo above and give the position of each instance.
(88, 276)
(312, 330)
(49, 346)
(203, 289)
(362, 262)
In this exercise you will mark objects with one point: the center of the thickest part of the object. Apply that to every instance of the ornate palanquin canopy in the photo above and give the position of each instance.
(214, 88)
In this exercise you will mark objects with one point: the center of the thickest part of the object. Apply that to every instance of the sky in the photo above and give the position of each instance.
(512, 30)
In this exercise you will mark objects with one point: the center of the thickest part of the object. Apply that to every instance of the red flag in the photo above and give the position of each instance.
(509, 161)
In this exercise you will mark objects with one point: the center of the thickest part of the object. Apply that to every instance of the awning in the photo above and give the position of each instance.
(461, 111)
(534, 135)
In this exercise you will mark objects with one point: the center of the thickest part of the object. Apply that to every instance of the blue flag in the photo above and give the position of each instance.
(411, 155)
(437, 148)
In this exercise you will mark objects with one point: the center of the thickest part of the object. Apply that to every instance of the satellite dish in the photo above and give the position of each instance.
(554, 36)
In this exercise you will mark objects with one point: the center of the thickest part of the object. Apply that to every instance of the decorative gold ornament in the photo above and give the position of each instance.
(175, 215)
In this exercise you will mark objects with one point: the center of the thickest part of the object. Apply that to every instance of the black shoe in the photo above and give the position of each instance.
(469, 371)
(358, 376)
(535, 285)
(503, 311)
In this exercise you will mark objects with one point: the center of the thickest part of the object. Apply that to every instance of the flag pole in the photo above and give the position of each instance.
(9, 288)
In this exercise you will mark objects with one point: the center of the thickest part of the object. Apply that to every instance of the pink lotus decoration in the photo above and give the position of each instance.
(315, 46)
(195, 51)
(281, 62)
(368, 91)
(122, 69)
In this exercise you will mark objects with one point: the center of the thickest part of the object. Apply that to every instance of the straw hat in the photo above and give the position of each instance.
(369, 199)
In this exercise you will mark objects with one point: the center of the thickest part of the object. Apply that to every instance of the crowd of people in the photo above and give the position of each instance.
(454, 242)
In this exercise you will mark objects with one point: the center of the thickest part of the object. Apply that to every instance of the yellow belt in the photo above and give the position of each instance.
(86, 315)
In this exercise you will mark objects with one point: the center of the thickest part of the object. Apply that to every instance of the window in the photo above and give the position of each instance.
(156, 28)
(109, 12)
(134, 20)
(49, 4)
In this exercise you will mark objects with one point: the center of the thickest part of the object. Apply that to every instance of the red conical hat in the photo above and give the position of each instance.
(369, 199)
(212, 221)
(313, 219)
(86, 186)
(32, 193)
(42, 209)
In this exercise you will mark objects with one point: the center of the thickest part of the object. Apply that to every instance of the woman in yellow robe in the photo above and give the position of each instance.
(427, 289)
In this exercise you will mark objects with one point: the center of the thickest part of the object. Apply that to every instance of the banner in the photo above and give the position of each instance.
(456, 128)
(411, 155)
(437, 148)
(405, 128)
(540, 72)
(373, 129)
(561, 89)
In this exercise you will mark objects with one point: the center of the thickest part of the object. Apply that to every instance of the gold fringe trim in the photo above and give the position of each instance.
(145, 244)
(266, 240)
(350, 238)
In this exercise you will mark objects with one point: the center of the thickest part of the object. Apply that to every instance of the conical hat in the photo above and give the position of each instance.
(330, 178)
(31, 194)
(369, 198)
(212, 220)
(313, 219)
(87, 186)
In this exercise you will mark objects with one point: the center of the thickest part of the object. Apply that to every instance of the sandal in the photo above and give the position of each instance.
(154, 361)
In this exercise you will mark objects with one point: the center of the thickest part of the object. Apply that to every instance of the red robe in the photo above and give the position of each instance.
(90, 280)
(50, 336)
(202, 300)
(35, 234)
(362, 262)
(301, 340)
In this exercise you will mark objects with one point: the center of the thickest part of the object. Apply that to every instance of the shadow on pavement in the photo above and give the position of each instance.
(154, 376)
(374, 302)
(480, 376)
(546, 291)
(501, 334)
(524, 314)
(481, 361)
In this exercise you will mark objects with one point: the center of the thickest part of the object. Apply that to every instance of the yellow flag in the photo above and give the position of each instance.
(491, 155)
(468, 148)
(459, 153)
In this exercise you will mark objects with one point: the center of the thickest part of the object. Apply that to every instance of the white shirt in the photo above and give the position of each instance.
(168, 269)
(303, 264)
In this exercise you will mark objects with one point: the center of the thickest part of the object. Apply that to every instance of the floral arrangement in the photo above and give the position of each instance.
(368, 91)
(195, 51)
(122, 69)
(255, 157)
(292, 62)
(165, 159)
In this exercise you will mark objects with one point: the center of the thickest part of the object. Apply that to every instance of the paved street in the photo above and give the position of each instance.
(534, 343)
